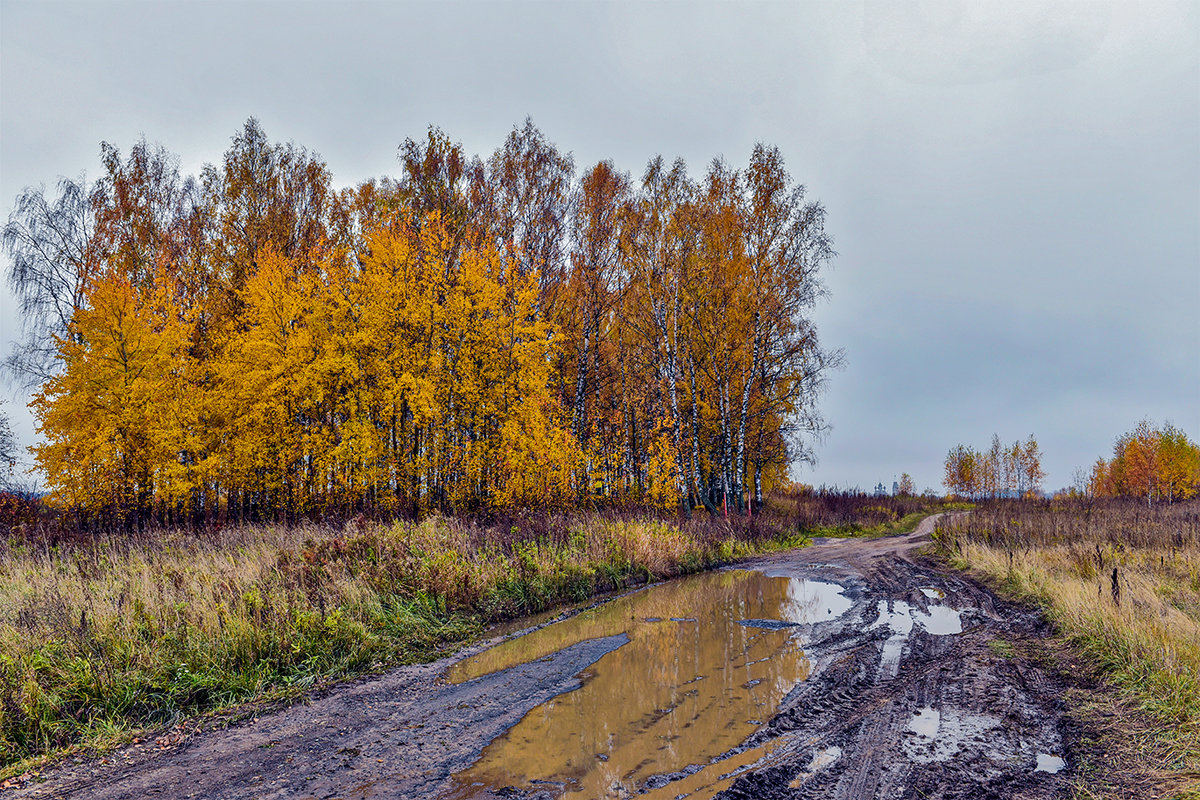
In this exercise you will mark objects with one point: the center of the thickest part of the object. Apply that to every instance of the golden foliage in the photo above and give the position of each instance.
(258, 345)
(1154, 463)
(1013, 471)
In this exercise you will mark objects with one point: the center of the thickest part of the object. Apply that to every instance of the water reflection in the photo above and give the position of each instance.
(1049, 763)
(925, 722)
(820, 760)
(939, 620)
(691, 684)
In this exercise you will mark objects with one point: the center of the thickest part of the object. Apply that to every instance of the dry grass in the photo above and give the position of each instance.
(826, 513)
(103, 637)
(1143, 630)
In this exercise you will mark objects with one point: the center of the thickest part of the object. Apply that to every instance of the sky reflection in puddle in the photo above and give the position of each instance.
(820, 760)
(1049, 763)
(901, 617)
(680, 693)
(925, 722)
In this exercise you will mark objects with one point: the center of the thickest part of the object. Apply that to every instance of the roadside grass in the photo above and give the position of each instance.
(855, 515)
(103, 639)
(1122, 754)
(1141, 631)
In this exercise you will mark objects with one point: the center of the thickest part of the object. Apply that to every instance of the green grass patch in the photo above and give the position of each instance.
(884, 523)
(1001, 648)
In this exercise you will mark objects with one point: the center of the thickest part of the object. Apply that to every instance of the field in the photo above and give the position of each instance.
(1121, 580)
(104, 635)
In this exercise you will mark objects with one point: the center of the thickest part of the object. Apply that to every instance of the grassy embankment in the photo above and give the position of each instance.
(102, 637)
(1143, 636)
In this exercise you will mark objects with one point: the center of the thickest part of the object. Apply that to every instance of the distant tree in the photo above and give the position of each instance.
(1098, 484)
(1154, 463)
(905, 487)
(1178, 464)
(1079, 482)
(1131, 472)
(962, 471)
(953, 469)
(1031, 466)
(1012, 481)
(1001, 471)
(992, 476)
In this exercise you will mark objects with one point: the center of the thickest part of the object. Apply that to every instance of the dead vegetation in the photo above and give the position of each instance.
(103, 634)
(1122, 581)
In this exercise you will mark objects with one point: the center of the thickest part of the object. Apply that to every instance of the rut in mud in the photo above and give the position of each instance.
(843, 670)
(949, 717)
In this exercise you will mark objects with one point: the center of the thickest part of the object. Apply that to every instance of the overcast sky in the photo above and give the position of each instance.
(1014, 187)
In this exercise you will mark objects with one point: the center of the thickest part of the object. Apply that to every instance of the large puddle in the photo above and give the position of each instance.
(709, 659)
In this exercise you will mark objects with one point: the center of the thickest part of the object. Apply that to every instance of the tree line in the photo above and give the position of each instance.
(255, 343)
(1154, 463)
(1000, 471)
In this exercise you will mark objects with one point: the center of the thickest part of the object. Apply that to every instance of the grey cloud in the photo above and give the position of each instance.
(1014, 188)
(978, 41)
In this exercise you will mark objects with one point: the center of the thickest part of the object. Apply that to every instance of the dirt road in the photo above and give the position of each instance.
(849, 669)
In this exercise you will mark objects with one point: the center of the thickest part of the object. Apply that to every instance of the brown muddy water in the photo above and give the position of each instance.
(708, 660)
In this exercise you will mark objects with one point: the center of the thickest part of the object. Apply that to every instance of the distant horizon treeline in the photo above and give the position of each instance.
(252, 343)
(1149, 462)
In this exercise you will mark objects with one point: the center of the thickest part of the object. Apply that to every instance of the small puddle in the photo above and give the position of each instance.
(942, 734)
(1049, 763)
(933, 594)
(940, 621)
(709, 658)
(925, 722)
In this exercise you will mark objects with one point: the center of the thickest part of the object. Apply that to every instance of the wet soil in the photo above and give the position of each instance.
(849, 669)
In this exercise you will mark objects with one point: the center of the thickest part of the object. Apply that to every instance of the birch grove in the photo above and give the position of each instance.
(256, 343)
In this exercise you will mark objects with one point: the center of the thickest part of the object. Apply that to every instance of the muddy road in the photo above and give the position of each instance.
(849, 669)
